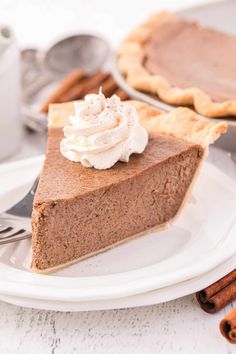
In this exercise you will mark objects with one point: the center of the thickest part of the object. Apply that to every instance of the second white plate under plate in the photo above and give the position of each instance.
(199, 240)
(158, 296)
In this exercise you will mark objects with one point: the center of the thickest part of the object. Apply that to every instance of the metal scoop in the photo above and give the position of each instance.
(39, 69)
(85, 51)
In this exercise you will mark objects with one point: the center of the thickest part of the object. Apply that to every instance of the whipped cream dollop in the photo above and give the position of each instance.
(102, 132)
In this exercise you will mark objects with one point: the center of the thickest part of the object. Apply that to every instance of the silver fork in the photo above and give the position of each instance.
(15, 223)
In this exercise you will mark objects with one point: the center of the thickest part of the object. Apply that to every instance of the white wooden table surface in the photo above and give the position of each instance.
(178, 326)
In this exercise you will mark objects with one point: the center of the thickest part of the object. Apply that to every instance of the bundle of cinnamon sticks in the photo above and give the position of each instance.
(218, 295)
(77, 84)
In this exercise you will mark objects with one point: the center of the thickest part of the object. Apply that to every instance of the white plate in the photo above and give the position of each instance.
(150, 298)
(199, 240)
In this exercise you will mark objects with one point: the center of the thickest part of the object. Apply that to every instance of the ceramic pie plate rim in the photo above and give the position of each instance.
(155, 101)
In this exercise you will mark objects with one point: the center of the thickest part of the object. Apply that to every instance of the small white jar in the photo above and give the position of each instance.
(10, 95)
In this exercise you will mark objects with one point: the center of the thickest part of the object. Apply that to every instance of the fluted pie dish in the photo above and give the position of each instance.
(79, 211)
(183, 63)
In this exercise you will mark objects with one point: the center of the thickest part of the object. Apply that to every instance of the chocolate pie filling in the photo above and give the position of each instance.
(189, 55)
(79, 211)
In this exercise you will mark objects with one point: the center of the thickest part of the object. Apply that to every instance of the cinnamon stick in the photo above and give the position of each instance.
(77, 85)
(81, 89)
(110, 82)
(214, 288)
(219, 294)
(122, 94)
(228, 327)
(64, 86)
(109, 86)
(96, 88)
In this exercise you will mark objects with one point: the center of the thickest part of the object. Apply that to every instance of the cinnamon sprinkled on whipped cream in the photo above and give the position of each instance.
(102, 132)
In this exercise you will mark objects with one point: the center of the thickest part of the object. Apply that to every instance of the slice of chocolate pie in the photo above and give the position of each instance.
(79, 211)
(183, 63)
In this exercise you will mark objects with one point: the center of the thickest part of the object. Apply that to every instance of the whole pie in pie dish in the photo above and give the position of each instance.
(80, 211)
(183, 63)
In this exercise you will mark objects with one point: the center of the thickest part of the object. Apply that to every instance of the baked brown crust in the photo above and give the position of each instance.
(181, 122)
(130, 62)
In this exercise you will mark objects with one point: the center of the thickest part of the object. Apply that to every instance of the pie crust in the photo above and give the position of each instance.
(131, 64)
(181, 122)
